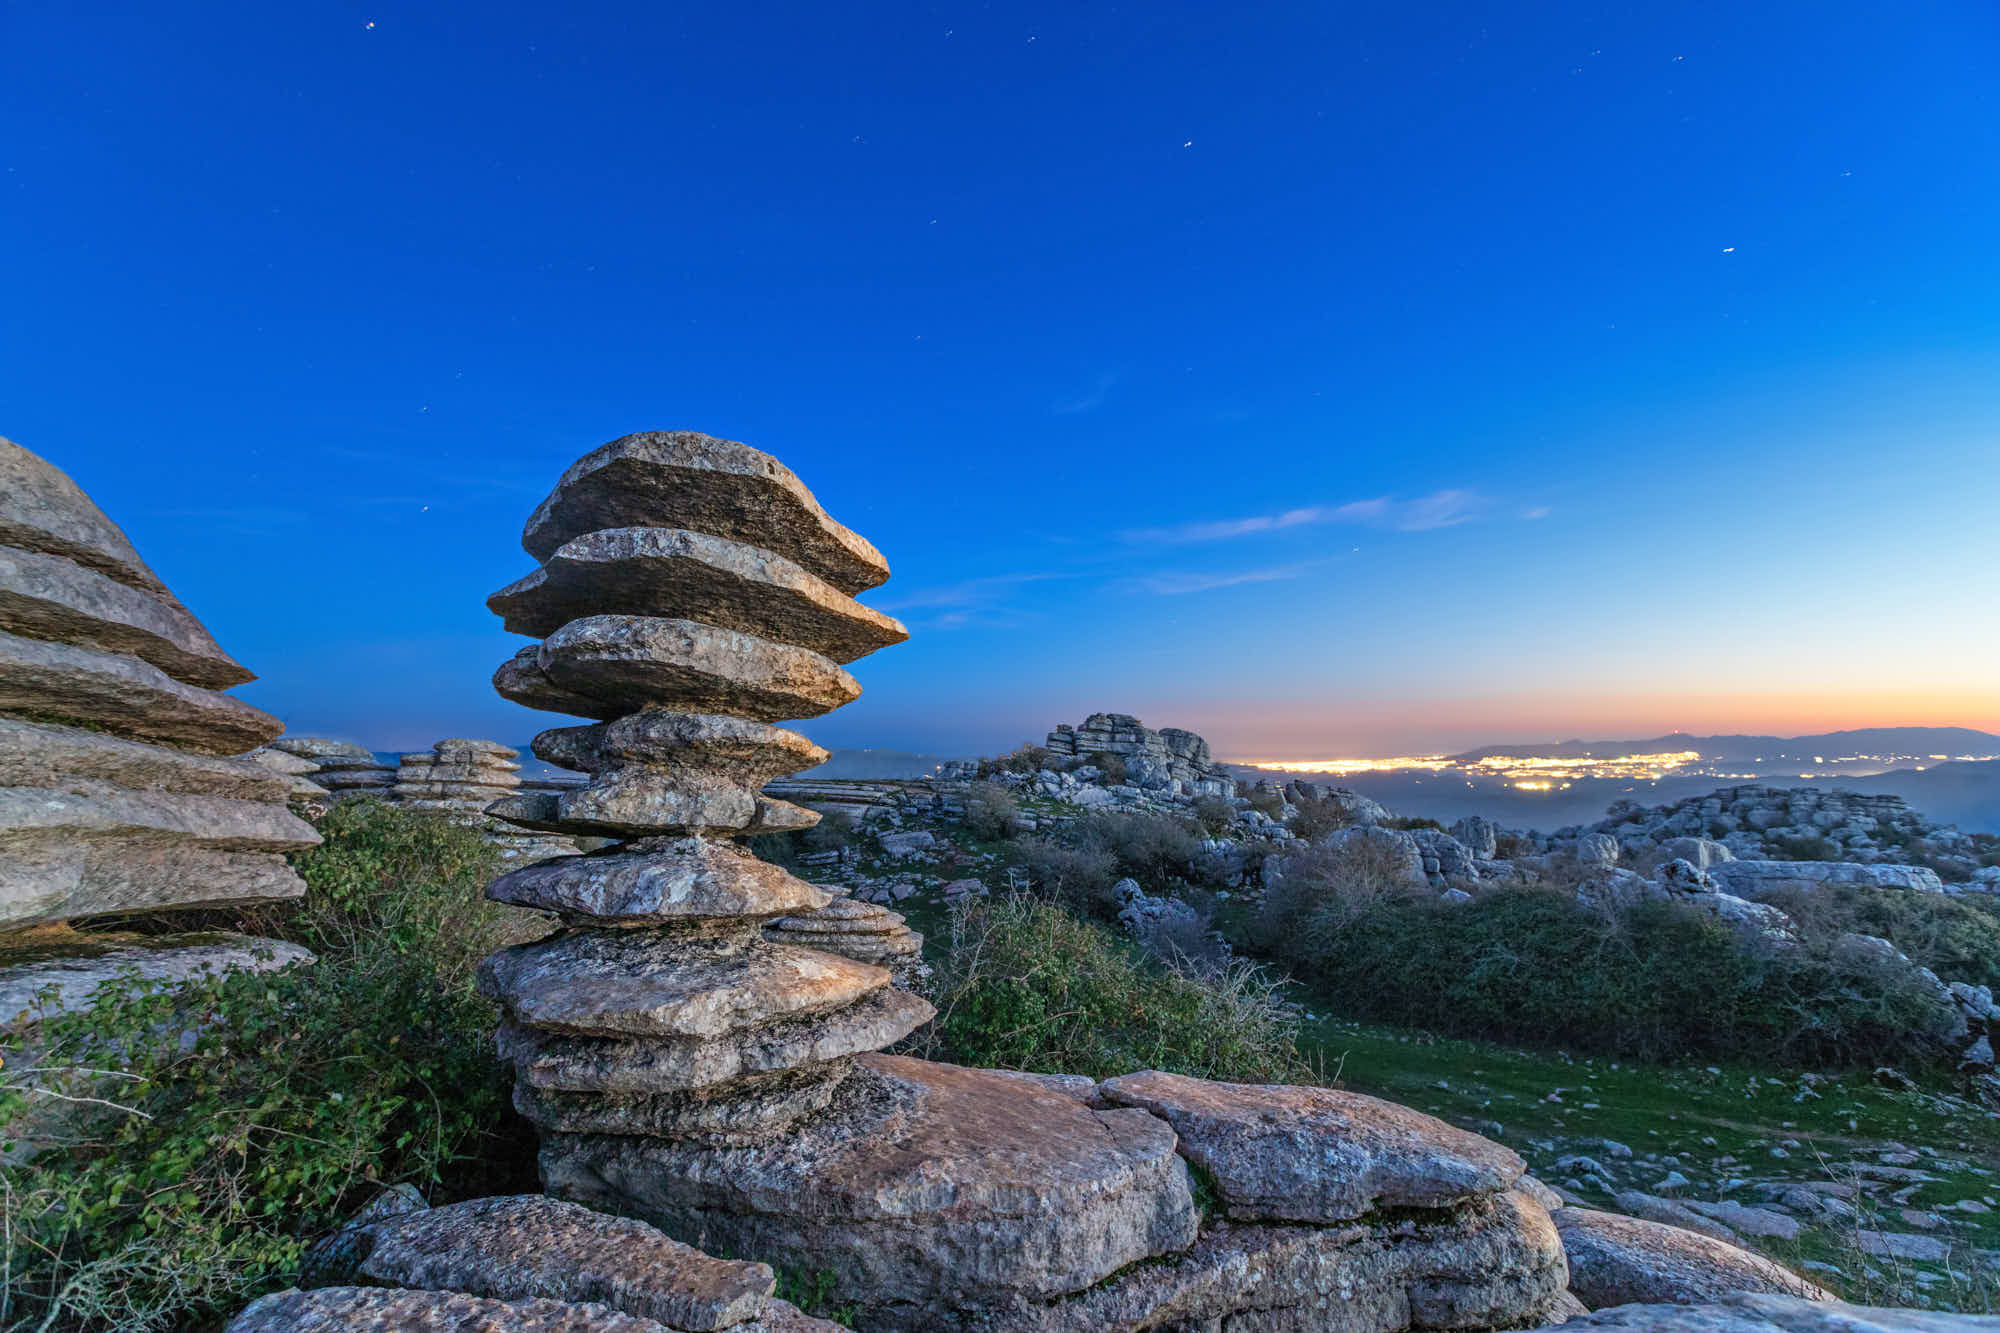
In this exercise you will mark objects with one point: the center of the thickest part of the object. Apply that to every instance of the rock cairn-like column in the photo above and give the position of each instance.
(341, 768)
(120, 786)
(691, 593)
(461, 778)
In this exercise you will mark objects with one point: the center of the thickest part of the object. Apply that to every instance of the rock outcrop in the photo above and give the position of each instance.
(460, 778)
(121, 785)
(689, 1063)
(343, 769)
(1170, 760)
(521, 1263)
(1754, 1312)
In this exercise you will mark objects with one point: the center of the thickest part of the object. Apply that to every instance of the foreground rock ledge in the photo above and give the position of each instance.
(923, 1183)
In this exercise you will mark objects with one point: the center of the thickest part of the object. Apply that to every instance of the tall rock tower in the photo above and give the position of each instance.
(681, 1066)
(691, 593)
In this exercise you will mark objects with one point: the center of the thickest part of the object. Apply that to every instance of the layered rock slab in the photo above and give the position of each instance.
(1752, 1312)
(607, 666)
(42, 510)
(684, 479)
(126, 696)
(1617, 1260)
(1317, 1154)
(854, 929)
(922, 1183)
(49, 597)
(1492, 1263)
(658, 882)
(696, 576)
(70, 965)
(520, 1247)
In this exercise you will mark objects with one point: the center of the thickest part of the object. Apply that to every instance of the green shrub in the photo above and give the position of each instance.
(1028, 986)
(1657, 981)
(1810, 847)
(1080, 877)
(1316, 819)
(261, 1109)
(1957, 937)
(990, 811)
(1112, 766)
(1027, 758)
(1215, 815)
(1409, 822)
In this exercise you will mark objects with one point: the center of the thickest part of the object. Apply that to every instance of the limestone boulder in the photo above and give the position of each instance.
(1754, 1312)
(661, 881)
(923, 1185)
(634, 983)
(693, 576)
(125, 696)
(70, 965)
(388, 1310)
(683, 479)
(1616, 1260)
(1279, 1153)
(524, 1247)
(42, 510)
(607, 666)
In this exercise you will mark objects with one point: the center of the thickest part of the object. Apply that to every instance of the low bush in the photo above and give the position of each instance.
(1957, 937)
(1316, 819)
(1026, 985)
(1215, 815)
(1028, 758)
(1656, 980)
(990, 811)
(254, 1112)
(1079, 877)
(1112, 767)
(1809, 847)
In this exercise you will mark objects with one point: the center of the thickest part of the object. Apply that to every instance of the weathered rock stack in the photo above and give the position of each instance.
(343, 769)
(866, 932)
(687, 1070)
(461, 778)
(691, 592)
(119, 786)
(1169, 760)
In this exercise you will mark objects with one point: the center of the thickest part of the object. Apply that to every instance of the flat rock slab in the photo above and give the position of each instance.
(642, 983)
(382, 1310)
(1750, 1312)
(922, 1184)
(624, 1066)
(607, 666)
(41, 509)
(683, 879)
(126, 697)
(49, 597)
(693, 576)
(1317, 1154)
(756, 752)
(684, 479)
(1616, 1260)
(751, 1111)
(644, 803)
(322, 748)
(73, 965)
(523, 1246)
(64, 855)
(36, 754)
(1496, 1263)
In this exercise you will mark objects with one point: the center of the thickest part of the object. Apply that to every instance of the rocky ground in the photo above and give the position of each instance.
(1883, 1191)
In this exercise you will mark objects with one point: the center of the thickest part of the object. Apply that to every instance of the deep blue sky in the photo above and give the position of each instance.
(1612, 372)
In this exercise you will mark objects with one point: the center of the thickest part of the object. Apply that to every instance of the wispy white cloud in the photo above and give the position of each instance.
(1439, 509)
(1176, 585)
(1537, 511)
(1359, 511)
(1089, 400)
(968, 593)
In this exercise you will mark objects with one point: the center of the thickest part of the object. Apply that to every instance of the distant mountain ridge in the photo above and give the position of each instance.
(1885, 741)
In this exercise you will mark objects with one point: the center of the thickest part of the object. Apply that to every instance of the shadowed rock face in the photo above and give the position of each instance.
(118, 789)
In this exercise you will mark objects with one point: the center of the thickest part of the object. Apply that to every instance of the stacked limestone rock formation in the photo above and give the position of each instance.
(867, 932)
(691, 592)
(120, 789)
(686, 1069)
(461, 778)
(341, 768)
(1169, 760)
